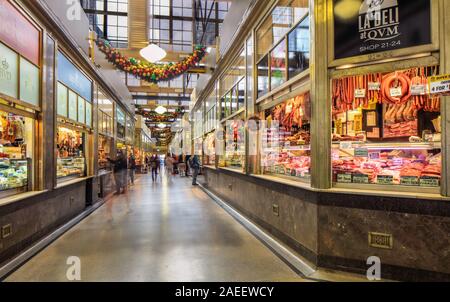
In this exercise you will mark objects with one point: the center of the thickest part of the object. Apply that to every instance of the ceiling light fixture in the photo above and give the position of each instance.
(161, 110)
(161, 126)
(153, 53)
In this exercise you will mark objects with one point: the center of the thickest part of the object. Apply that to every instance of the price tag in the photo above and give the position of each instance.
(440, 84)
(374, 155)
(345, 145)
(409, 181)
(418, 89)
(396, 92)
(344, 178)
(374, 86)
(361, 179)
(361, 152)
(360, 93)
(385, 179)
(429, 181)
(288, 109)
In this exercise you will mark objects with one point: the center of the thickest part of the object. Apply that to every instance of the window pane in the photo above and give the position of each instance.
(278, 65)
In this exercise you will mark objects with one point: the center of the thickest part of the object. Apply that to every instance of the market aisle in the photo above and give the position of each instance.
(159, 232)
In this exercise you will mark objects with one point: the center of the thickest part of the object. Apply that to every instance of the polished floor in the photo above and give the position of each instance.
(163, 231)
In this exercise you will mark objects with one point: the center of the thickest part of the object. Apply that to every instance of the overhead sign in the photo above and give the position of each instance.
(379, 25)
(19, 33)
(73, 78)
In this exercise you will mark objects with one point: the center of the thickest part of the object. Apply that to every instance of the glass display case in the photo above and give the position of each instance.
(387, 131)
(71, 161)
(14, 174)
(285, 139)
(70, 167)
(16, 153)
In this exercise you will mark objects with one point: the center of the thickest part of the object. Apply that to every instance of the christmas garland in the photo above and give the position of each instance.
(150, 72)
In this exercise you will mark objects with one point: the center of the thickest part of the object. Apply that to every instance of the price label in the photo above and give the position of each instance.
(409, 181)
(396, 92)
(374, 86)
(288, 109)
(344, 178)
(429, 181)
(385, 179)
(360, 93)
(374, 155)
(345, 145)
(361, 179)
(440, 84)
(418, 89)
(361, 152)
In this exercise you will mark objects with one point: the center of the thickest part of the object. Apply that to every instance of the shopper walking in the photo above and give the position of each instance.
(168, 163)
(187, 162)
(155, 166)
(195, 166)
(120, 172)
(132, 165)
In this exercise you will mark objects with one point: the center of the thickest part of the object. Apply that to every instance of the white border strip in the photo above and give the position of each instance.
(279, 249)
(43, 243)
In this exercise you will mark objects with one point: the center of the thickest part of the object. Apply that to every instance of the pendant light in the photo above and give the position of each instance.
(153, 53)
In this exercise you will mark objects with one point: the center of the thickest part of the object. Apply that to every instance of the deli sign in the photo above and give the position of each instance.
(19, 33)
(372, 26)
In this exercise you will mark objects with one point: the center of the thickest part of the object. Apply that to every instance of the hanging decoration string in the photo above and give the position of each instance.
(147, 71)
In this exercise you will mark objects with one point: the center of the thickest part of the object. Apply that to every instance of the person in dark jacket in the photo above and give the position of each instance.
(187, 162)
(195, 165)
(120, 172)
(155, 164)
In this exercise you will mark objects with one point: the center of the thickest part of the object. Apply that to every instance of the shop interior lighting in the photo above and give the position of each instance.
(153, 53)
(347, 9)
(162, 126)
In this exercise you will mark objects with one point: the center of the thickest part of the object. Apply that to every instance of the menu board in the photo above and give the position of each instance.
(88, 114)
(71, 76)
(29, 82)
(81, 110)
(62, 94)
(8, 72)
(73, 107)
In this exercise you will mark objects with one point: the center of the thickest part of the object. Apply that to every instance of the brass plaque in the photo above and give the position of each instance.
(380, 240)
(6, 231)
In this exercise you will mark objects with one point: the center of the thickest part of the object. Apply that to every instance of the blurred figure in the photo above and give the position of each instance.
(195, 166)
(155, 165)
(120, 172)
(168, 163)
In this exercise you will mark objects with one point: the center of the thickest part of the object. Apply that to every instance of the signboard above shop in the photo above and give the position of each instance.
(379, 25)
(18, 32)
(73, 78)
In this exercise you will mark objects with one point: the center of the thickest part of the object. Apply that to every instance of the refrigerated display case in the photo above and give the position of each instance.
(386, 131)
(285, 139)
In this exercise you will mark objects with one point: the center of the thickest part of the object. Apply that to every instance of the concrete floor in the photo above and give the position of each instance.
(167, 231)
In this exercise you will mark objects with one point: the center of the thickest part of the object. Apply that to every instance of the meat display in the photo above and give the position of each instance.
(396, 88)
(397, 164)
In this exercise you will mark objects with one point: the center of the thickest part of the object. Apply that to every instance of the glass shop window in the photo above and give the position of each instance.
(298, 51)
(16, 153)
(263, 76)
(71, 162)
(120, 117)
(235, 143)
(278, 65)
(387, 130)
(285, 139)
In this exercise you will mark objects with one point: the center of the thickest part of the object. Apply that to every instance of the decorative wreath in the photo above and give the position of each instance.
(147, 71)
